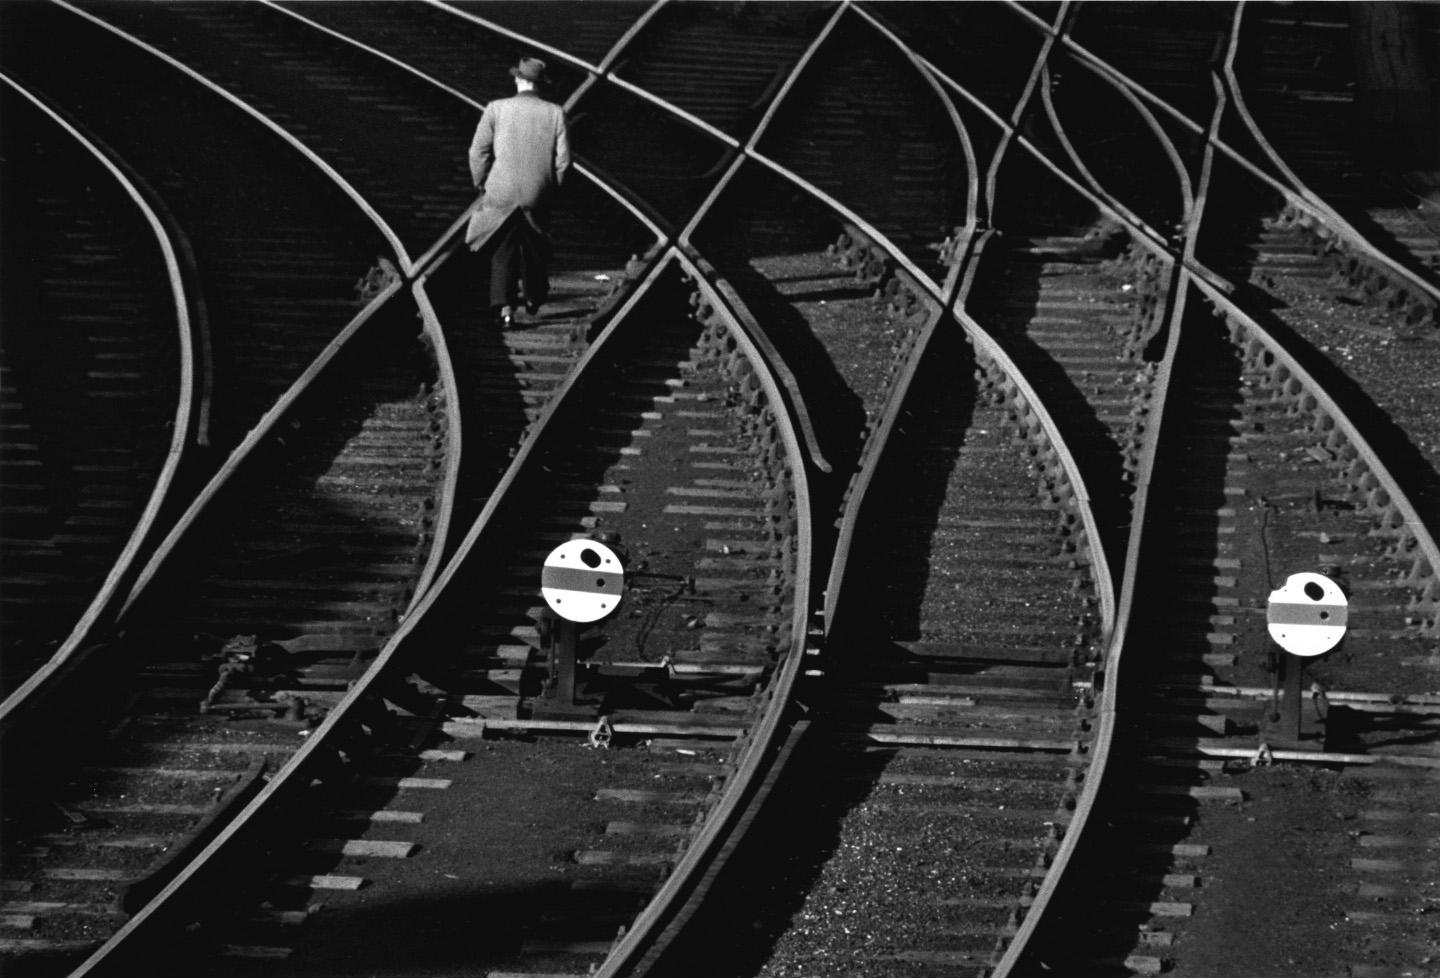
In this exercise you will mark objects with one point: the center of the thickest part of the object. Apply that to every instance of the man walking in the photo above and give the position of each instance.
(518, 159)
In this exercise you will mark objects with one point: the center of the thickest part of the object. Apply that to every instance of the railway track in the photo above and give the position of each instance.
(1259, 477)
(593, 33)
(745, 670)
(633, 142)
(272, 212)
(1289, 253)
(689, 470)
(1298, 76)
(410, 167)
(685, 693)
(938, 726)
(98, 380)
(723, 66)
(1169, 57)
(895, 166)
(987, 49)
(293, 570)
(1080, 303)
(1267, 252)
(253, 649)
(1184, 823)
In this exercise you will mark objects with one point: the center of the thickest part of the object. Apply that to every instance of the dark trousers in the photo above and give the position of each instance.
(518, 260)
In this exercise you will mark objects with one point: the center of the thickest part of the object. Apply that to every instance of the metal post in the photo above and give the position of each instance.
(1292, 704)
(562, 662)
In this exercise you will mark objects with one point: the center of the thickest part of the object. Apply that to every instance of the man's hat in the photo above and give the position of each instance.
(530, 69)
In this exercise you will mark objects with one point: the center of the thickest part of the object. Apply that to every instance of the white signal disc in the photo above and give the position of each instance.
(1308, 615)
(582, 581)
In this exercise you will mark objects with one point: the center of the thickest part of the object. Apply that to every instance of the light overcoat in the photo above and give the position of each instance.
(518, 157)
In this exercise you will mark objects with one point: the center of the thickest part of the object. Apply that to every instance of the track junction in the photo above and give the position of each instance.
(957, 382)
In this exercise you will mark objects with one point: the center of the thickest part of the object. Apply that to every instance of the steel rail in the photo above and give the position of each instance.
(1237, 95)
(972, 185)
(262, 429)
(659, 225)
(1109, 707)
(761, 739)
(870, 460)
(1400, 511)
(944, 298)
(951, 297)
(455, 444)
(1321, 404)
(185, 411)
(202, 340)
(1114, 618)
(1148, 237)
(756, 750)
(745, 151)
(424, 598)
(1233, 84)
(272, 416)
(776, 361)
(401, 255)
(47, 685)
(1187, 201)
(193, 881)
(603, 68)
(736, 309)
(1325, 403)
(426, 261)
(679, 113)
(439, 584)
(14, 711)
(984, 343)
(607, 63)
(1295, 196)
(184, 882)
(1024, 103)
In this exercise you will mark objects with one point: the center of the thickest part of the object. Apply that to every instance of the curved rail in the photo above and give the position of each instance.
(191, 883)
(1383, 493)
(1394, 511)
(39, 684)
(336, 716)
(185, 411)
(1349, 235)
(43, 683)
(760, 740)
(455, 439)
(632, 202)
(402, 257)
(1187, 195)
(254, 436)
(427, 260)
(1297, 196)
(1150, 238)
(1210, 290)
(1108, 707)
(986, 345)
